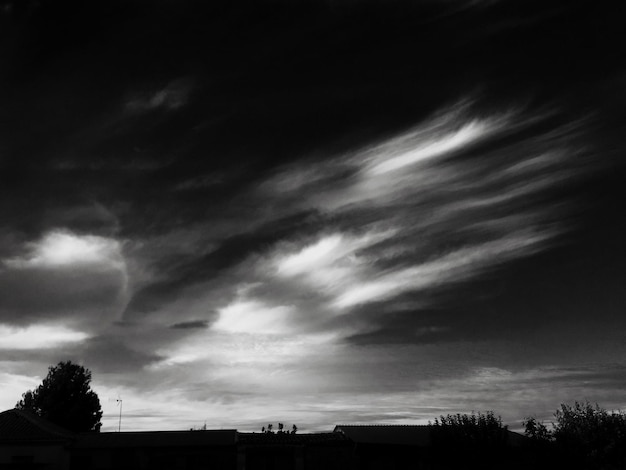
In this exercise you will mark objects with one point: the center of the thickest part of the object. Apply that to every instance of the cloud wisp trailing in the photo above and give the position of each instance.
(399, 199)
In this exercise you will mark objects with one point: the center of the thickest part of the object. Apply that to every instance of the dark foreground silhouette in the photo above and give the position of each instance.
(28, 441)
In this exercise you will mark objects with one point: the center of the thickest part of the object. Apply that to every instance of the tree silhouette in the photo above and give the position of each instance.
(588, 435)
(476, 429)
(536, 430)
(65, 398)
(281, 429)
(469, 440)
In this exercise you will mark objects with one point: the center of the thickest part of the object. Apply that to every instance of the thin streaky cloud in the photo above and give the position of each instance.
(433, 147)
(172, 97)
(38, 337)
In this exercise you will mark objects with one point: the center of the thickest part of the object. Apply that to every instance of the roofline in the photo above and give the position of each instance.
(381, 426)
(56, 432)
(155, 432)
(28, 442)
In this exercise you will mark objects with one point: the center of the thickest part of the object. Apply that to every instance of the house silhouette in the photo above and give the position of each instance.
(28, 441)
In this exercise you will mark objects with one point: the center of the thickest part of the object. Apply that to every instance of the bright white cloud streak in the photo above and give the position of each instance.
(37, 337)
(311, 257)
(60, 249)
(409, 187)
(254, 317)
(433, 147)
(330, 261)
(449, 268)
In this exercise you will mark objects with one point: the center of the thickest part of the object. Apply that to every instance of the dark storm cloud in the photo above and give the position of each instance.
(41, 293)
(190, 324)
(103, 354)
(63, 277)
(107, 354)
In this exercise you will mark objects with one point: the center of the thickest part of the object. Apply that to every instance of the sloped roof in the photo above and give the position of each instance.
(517, 440)
(19, 425)
(157, 439)
(386, 434)
(320, 439)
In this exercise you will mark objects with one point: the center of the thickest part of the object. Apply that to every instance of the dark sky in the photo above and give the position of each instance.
(319, 212)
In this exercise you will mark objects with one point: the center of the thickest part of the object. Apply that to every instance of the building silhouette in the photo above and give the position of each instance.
(28, 442)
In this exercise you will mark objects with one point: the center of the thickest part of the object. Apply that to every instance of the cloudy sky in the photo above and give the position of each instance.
(314, 212)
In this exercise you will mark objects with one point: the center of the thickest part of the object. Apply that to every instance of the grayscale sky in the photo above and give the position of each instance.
(314, 212)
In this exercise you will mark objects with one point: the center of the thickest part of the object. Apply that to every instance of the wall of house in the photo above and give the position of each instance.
(154, 458)
(389, 457)
(48, 456)
(328, 457)
(295, 457)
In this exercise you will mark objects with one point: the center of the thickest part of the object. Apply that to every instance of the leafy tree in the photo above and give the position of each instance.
(536, 430)
(281, 429)
(65, 398)
(586, 434)
(469, 440)
(470, 429)
(592, 431)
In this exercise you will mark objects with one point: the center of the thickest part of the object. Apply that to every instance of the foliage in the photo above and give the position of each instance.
(585, 433)
(536, 430)
(65, 398)
(281, 429)
(475, 429)
(476, 440)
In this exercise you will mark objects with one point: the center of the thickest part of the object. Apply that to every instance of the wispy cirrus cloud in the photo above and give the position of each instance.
(170, 98)
(394, 202)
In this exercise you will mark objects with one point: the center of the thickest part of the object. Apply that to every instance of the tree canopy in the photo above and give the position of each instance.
(587, 433)
(65, 398)
(476, 440)
(471, 429)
